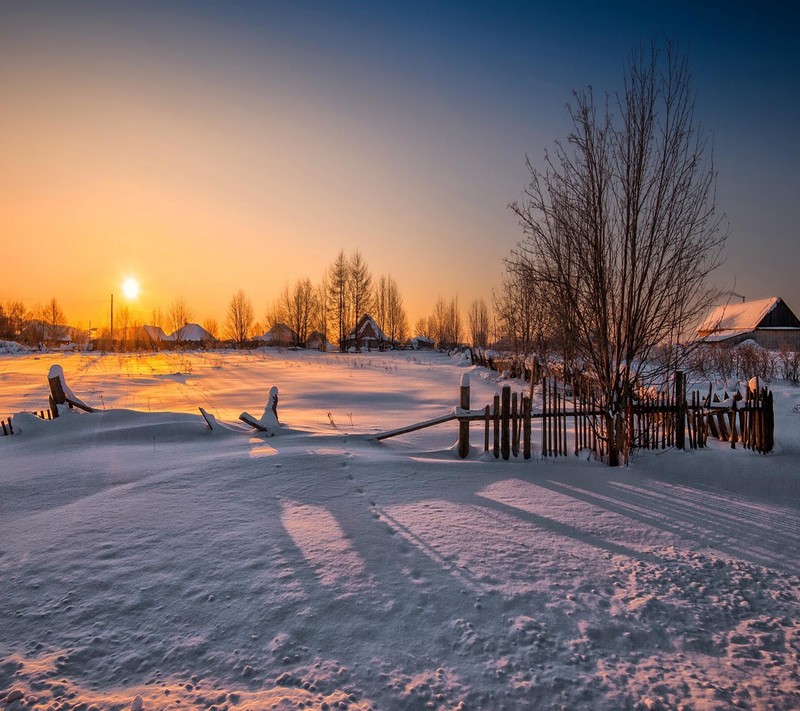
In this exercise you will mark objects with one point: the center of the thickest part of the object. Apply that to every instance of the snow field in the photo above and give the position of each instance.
(148, 562)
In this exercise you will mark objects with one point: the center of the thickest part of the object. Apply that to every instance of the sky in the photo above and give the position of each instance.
(206, 147)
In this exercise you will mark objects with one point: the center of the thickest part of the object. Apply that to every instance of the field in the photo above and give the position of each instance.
(149, 562)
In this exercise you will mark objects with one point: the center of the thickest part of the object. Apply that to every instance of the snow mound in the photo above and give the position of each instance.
(12, 347)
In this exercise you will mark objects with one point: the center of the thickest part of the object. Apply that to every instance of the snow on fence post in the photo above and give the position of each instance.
(463, 424)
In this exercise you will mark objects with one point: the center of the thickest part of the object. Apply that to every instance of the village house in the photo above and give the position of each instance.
(367, 335)
(280, 335)
(768, 322)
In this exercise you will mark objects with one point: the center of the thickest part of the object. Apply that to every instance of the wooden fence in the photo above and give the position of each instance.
(571, 421)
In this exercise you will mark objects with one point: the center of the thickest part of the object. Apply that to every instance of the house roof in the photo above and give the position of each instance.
(279, 332)
(191, 332)
(733, 319)
(156, 333)
(367, 327)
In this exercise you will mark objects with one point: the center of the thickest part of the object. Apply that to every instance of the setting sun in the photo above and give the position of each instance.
(130, 287)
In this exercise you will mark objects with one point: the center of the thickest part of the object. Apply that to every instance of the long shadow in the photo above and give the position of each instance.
(730, 533)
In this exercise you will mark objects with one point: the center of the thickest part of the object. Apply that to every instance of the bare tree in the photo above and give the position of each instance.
(422, 327)
(319, 315)
(122, 322)
(211, 325)
(178, 319)
(55, 321)
(479, 323)
(395, 323)
(620, 228)
(299, 305)
(438, 323)
(338, 297)
(239, 321)
(12, 318)
(360, 281)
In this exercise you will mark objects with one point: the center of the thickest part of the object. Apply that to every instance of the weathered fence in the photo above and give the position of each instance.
(571, 420)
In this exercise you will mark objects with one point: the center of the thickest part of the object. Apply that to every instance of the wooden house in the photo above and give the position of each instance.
(768, 322)
(280, 335)
(366, 335)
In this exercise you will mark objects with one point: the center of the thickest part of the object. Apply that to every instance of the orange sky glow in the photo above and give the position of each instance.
(202, 148)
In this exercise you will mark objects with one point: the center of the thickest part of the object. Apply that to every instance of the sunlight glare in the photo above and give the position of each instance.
(130, 288)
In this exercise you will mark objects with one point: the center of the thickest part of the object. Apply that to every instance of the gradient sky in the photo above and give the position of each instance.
(204, 147)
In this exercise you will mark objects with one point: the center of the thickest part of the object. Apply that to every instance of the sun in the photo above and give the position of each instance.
(130, 287)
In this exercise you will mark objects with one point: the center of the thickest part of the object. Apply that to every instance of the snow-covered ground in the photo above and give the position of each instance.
(149, 562)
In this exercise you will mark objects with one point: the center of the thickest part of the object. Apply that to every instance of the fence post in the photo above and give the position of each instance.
(680, 415)
(505, 439)
(486, 436)
(463, 425)
(496, 417)
(514, 430)
(526, 427)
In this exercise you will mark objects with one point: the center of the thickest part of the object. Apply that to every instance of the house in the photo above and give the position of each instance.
(317, 341)
(190, 333)
(151, 336)
(280, 335)
(366, 335)
(422, 343)
(769, 322)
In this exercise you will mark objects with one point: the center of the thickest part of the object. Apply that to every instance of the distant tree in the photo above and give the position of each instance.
(621, 232)
(178, 318)
(319, 314)
(276, 313)
(479, 323)
(299, 305)
(453, 324)
(240, 318)
(360, 282)
(122, 320)
(211, 325)
(12, 320)
(438, 323)
(338, 297)
(395, 321)
(422, 327)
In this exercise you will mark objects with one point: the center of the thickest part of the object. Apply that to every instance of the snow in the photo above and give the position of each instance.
(149, 562)
(736, 318)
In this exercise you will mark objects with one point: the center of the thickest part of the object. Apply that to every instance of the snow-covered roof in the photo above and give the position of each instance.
(279, 333)
(156, 333)
(191, 332)
(737, 318)
(367, 327)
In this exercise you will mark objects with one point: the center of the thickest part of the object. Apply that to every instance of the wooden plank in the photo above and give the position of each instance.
(79, 404)
(253, 422)
(210, 420)
(412, 428)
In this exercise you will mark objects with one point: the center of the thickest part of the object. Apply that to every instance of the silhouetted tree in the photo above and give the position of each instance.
(239, 321)
(620, 228)
(178, 318)
(479, 323)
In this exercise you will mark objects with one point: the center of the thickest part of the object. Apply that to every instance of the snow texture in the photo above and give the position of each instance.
(147, 562)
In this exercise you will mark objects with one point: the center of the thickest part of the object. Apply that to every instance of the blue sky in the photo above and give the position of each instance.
(255, 140)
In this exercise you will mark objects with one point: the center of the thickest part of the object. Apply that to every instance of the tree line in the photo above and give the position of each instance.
(329, 310)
